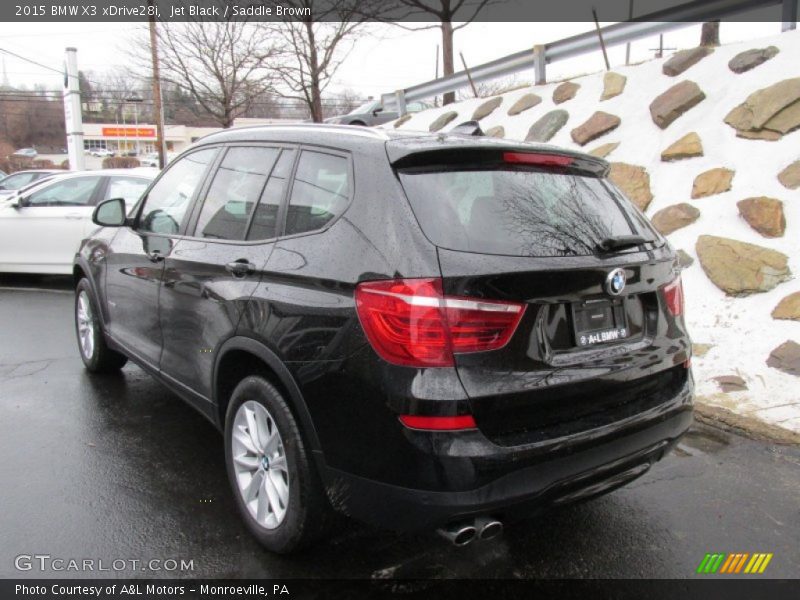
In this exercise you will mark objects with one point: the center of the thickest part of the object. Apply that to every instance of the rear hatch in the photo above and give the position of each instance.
(602, 337)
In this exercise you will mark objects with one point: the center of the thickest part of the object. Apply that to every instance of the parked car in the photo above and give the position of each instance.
(151, 159)
(42, 227)
(421, 331)
(372, 113)
(11, 183)
(26, 153)
(101, 152)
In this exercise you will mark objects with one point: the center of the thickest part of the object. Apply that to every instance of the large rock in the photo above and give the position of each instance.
(764, 134)
(402, 120)
(684, 260)
(674, 102)
(546, 127)
(565, 91)
(741, 269)
(762, 105)
(763, 214)
(443, 120)
(750, 59)
(731, 383)
(682, 60)
(786, 358)
(604, 149)
(487, 108)
(498, 131)
(524, 103)
(790, 176)
(598, 124)
(674, 217)
(688, 146)
(788, 308)
(634, 181)
(613, 85)
(786, 120)
(713, 181)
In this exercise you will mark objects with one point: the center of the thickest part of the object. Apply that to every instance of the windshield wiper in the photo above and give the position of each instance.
(621, 242)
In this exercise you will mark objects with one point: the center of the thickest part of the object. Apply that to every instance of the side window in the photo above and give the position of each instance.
(265, 219)
(237, 186)
(76, 191)
(128, 188)
(169, 199)
(320, 191)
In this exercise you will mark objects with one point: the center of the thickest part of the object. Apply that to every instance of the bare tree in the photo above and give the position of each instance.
(314, 47)
(223, 66)
(446, 12)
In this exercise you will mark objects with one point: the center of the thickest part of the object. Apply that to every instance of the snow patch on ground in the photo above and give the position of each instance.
(741, 331)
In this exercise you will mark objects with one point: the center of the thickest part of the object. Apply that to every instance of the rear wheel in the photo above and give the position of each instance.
(277, 489)
(95, 353)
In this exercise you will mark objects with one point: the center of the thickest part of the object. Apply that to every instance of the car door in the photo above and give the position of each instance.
(135, 257)
(42, 233)
(211, 274)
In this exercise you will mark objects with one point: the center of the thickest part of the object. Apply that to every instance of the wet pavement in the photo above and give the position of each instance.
(118, 468)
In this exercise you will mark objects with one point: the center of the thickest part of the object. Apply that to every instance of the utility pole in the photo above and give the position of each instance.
(135, 100)
(628, 45)
(157, 106)
(72, 111)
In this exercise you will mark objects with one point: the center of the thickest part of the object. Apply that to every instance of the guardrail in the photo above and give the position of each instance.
(620, 33)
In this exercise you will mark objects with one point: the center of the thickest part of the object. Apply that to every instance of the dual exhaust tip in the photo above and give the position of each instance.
(462, 533)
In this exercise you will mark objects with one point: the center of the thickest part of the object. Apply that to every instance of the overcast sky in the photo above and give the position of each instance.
(392, 58)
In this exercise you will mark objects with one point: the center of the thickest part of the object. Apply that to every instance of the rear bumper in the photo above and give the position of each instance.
(526, 480)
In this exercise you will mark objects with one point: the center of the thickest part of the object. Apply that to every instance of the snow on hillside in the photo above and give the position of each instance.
(741, 330)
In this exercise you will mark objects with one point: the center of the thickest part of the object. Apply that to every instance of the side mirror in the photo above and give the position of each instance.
(110, 213)
(376, 111)
(20, 202)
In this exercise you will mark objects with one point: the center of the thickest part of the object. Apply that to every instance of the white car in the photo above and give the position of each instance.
(101, 152)
(42, 227)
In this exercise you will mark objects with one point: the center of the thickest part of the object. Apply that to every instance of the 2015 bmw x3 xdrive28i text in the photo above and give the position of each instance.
(419, 331)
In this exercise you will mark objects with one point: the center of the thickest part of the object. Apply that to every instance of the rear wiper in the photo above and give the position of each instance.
(622, 241)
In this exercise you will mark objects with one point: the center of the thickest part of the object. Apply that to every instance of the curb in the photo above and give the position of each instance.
(750, 427)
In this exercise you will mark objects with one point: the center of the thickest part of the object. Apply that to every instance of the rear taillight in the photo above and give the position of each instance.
(673, 296)
(411, 322)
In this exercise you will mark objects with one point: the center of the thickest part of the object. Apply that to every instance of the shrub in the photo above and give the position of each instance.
(121, 162)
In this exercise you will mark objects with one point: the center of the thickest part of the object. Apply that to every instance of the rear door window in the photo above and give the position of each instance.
(320, 192)
(519, 212)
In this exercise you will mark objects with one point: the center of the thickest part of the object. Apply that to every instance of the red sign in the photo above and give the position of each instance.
(129, 132)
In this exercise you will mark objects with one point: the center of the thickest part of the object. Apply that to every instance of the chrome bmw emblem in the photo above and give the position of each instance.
(615, 282)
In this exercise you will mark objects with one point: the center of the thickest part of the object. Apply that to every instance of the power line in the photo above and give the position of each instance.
(33, 62)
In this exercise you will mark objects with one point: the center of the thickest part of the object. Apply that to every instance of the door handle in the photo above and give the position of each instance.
(155, 256)
(74, 216)
(240, 268)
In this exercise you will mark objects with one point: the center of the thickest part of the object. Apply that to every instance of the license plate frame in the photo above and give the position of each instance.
(599, 322)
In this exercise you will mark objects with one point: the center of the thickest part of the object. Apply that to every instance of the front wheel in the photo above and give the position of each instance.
(277, 488)
(95, 353)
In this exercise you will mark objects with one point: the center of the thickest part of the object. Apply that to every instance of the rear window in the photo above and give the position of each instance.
(520, 212)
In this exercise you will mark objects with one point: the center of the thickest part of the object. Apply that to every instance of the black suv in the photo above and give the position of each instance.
(419, 331)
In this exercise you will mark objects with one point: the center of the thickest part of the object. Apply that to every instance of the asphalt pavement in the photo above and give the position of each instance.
(116, 468)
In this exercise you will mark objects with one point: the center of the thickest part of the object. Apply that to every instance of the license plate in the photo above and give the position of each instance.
(599, 322)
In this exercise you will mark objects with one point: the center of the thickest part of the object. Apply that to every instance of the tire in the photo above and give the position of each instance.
(286, 507)
(95, 353)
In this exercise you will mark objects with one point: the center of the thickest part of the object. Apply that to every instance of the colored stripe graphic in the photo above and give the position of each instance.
(720, 562)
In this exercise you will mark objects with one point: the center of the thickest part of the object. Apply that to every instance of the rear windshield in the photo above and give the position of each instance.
(520, 212)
